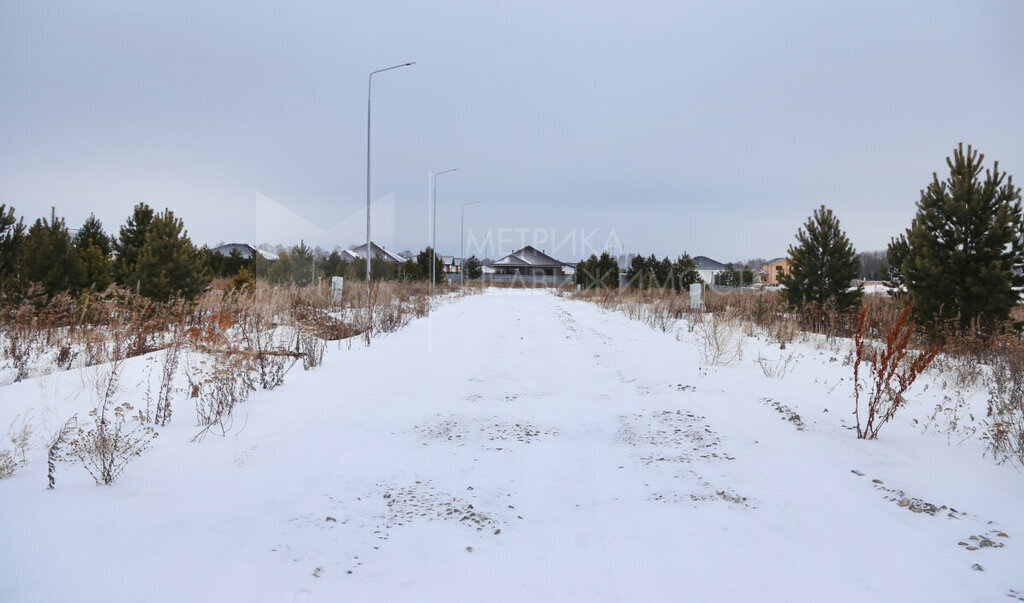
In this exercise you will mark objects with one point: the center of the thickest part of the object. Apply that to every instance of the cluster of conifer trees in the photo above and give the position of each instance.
(960, 263)
(151, 254)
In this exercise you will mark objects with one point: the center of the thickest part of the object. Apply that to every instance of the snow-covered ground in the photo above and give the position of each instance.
(516, 446)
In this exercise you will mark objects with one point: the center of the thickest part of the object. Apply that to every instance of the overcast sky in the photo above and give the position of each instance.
(712, 128)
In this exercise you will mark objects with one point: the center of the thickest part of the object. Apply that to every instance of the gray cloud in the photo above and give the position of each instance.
(710, 128)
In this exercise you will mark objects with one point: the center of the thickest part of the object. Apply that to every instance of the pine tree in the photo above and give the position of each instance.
(472, 268)
(636, 271)
(597, 272)
(302, 264)
(169, 265)
(129, 243)
(94, 247)
(822, 265)
(91, 233)
(214, 260)
(332, 265)
(280, 272)
(12, 236)
(965, 246)
(895, 255)
(232, 263)
(50, 259)
(729, 277)
(423, 259)
(97, 266)
(259, 265)
(684, 273)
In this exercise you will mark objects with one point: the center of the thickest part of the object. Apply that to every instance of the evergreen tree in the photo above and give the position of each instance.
(729, 277)
(91, 233)
(472, 268)
(50, 259)
(608, 270)
(94, 247)
(822, 265)
(965, 246)
(423, 259)
(259, 265)
(280, 272)
(895, 255)
(232, 263)
(97, 267)
(129, 243)
(412, 271)
(635, 272)
(12, 237)
(332, 265)
(597, 272)
(302, 264)
(169, 265)
(214, 260)
(684, 273)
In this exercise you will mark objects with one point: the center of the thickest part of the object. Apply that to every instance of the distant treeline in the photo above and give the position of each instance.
(153, 255)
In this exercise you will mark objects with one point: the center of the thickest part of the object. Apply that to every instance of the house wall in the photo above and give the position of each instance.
(776, 270)
(708, 276)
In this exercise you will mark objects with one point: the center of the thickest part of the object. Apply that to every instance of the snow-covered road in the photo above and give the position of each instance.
(517, 446)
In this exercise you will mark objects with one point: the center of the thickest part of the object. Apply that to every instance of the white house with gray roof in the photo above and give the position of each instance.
(708, 268)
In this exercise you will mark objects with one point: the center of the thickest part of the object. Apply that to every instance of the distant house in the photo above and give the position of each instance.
(452, 264)
(708, 268)
(528, 261)
(379, 253)
(245, 250)
(775, 270)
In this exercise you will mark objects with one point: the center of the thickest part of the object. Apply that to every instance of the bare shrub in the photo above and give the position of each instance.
(20, 435)
(168, 368)
(9, 463)
(962, 376)
(1004, 426)
(311, 348)
(114, 438)
(719, 338)
(779, 368)
(110, 443)
(892, 371)
(224, 387)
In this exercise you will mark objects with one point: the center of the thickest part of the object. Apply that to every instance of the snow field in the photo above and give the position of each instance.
(519, 446)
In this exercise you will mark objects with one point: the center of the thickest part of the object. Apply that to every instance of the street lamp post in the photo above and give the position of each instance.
(369, 96)
(433, 222)
(462, 245)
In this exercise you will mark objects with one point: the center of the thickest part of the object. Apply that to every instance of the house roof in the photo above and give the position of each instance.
(529, 256)
(775, 260)
(705, 263)
(244, 249)
(378, 253)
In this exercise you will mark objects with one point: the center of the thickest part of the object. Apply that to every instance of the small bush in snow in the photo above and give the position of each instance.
(224, 387)
(113, 439)
(1005, 422)
(892, 371)
(777, 369)
(719, 338)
